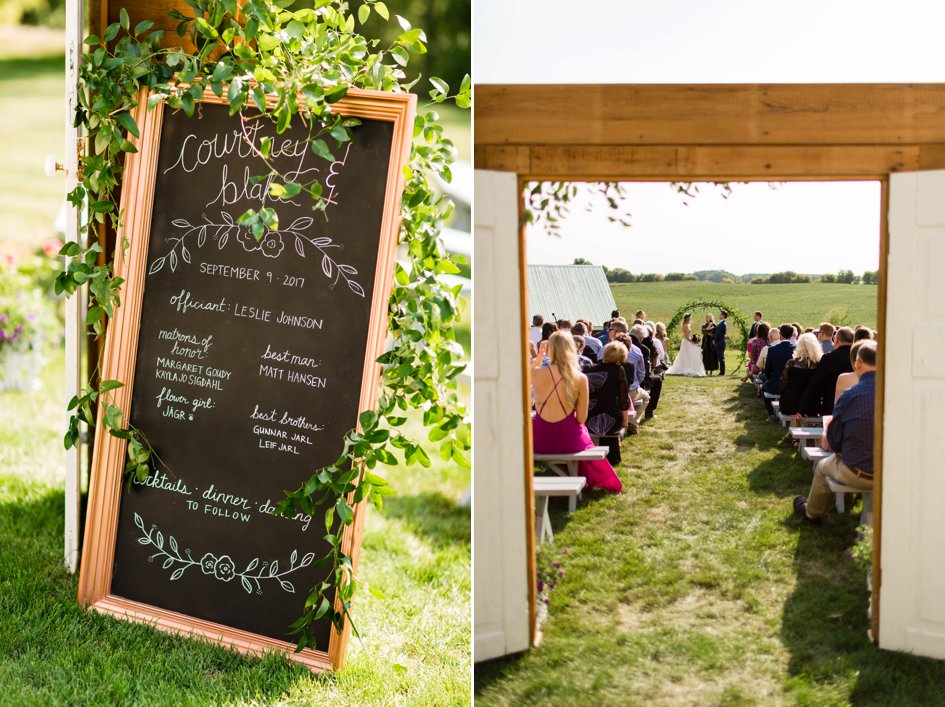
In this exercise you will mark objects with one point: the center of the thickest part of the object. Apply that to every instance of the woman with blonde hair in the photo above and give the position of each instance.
(561, 407)
(798, 373)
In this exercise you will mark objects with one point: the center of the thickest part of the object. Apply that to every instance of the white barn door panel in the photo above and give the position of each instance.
(500, 571)
(912, 593)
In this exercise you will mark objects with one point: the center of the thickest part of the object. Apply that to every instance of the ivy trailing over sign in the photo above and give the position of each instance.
(286, 67)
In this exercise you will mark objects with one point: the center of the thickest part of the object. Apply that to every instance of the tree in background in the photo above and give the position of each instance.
(582, 261)
(846, 277)
(871, 277)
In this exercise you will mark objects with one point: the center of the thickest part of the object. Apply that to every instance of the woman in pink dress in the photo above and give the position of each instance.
(561, 402)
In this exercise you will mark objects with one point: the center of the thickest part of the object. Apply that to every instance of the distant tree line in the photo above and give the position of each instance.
(844, 277)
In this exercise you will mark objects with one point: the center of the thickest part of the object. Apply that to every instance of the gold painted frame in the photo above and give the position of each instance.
(121, 346)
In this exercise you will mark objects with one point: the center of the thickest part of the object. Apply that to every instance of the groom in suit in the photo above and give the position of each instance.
(721, 329)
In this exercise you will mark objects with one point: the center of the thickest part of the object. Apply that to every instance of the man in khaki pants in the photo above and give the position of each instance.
(850, 437)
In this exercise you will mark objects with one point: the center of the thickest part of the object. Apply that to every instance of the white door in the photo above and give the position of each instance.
(500, 506)
(75, 317)
(912, 596)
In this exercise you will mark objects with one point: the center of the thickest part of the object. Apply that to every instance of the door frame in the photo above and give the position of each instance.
(717, 132)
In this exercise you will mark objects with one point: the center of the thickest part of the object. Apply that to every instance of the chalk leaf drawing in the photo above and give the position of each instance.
(221, 567)
(271, 245)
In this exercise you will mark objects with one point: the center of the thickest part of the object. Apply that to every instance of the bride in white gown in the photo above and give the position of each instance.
(689, 360)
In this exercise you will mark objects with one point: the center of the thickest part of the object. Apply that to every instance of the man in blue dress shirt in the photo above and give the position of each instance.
(850, 438)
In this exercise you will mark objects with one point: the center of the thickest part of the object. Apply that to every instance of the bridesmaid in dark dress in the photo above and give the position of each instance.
(710, 358)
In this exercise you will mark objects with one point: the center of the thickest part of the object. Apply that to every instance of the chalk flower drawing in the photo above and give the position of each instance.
(220, 567)
(271, 245)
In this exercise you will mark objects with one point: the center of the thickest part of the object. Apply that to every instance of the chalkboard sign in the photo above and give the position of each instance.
(245, 364)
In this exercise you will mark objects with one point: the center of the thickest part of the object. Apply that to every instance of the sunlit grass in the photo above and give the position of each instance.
(416, 639)
(697, 585)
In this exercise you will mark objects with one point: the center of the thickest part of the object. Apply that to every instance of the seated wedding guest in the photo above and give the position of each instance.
(757, 344)
(641, 315)
(774, 336)
(753, 331)
(658, 350)
(603, 336)
(592, 346)
(564, 324)
(848, 380)
(862, 332)
(798, 373)
(584, 362)
(663, 338)
(653, 383)
(825, 336)
(609, 398)
(561, 403)
(547, 329)
(778, 356)
(798, 330)
(819, 394)
(638, 395)
(534, 333)
(850, 437)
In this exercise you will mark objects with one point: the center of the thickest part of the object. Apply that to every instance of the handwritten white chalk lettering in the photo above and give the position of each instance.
(158, 480)
(242, 310)
(267, 508)
(289, 357)
(300, 321)
(237, 273)
(185, 302)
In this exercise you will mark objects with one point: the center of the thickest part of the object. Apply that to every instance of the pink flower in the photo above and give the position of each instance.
(52, 247)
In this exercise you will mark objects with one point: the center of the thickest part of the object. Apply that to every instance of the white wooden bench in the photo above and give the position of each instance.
(807, 436)
(567, 465)
(544, 487)
(786, 420)
(814, 454)
(841, 489)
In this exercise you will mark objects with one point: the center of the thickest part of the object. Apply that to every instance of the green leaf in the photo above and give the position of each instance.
(320, 148)
(128, 123)
(440, 85)
(268, 42)
(108, 386)
(111, 32)
(345, 514)
(381, 9)
(143, 26)
(364, 12)
(123, 19)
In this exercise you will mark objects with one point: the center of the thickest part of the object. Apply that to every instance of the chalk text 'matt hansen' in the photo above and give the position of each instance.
(284, 318)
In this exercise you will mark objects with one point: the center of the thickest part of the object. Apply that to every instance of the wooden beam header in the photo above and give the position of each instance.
(739, 131)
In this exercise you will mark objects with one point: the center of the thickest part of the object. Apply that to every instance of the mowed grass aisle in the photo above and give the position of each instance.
(698, 586)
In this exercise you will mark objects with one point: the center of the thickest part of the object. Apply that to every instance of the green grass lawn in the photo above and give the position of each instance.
(416, 640)
(809, 303)
(32, 117)
(697, 585)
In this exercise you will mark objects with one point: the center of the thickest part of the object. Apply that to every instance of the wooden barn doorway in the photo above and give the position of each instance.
(890, 133)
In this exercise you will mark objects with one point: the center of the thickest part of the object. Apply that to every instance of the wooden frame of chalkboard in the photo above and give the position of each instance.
(103, 523)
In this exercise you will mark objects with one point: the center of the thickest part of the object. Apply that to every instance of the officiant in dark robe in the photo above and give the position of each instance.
(710, 357)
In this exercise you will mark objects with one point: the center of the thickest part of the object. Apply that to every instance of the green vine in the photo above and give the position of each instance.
(302, 62)
(734, 315)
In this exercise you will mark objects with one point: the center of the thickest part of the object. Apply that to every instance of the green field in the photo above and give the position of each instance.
(808, 304)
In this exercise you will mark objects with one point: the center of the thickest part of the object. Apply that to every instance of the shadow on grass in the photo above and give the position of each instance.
(825, 626)
(438, 518)
(54, 652)
(19, 68)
